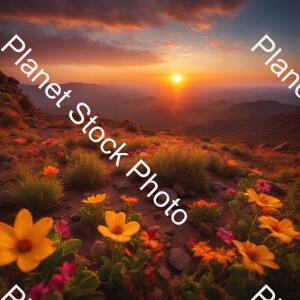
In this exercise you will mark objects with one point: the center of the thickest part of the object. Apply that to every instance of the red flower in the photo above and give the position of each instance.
(57, 283)
(48, 142)
(67, 270)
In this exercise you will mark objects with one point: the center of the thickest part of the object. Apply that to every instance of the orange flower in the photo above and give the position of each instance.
(201, 249)
(266, 211)
(20, 141)
(149, 241)
(283, 230)
(257, 172)
(99, 198)
(50, 171)
(262, 200)
(255, 258)
(231, 163)
(144, 155)
(127, 252)
(203, 203)
(129, 199)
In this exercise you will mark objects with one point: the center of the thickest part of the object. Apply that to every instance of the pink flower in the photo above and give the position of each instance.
(231, 192)
(63, 228)
(263, 186)
(38, 292)
(57, 283)
(35, 151)
(48, 142)
(225, 235)
(67, 270)
(39, 159)
(60, 154)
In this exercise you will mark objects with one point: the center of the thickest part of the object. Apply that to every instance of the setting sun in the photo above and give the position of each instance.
(177, 78)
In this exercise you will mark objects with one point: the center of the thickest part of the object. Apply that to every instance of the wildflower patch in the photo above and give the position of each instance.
(83, 116)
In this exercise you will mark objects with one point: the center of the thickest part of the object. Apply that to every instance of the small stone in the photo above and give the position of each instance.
(179, 189)
(156, 294)
(157, 216)
(6, 199)
(168, 245)
(164, 273)
(170, 231)
(205, 229)
(122, 185)
(179, 259)
(219, 186)
(98, 249)
(284, 147)
(75, 218)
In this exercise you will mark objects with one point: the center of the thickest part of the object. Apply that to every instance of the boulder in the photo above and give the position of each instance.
(179, 259)
(98, 249)
(284, 147)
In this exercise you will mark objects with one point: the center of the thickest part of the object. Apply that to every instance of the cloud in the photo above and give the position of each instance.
(119, 14)
(73, 47)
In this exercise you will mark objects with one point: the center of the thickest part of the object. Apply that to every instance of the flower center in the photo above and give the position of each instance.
(24, 245)
(252, 256)
(117, 230)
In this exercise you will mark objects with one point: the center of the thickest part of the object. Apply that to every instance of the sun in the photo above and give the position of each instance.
(177, 78)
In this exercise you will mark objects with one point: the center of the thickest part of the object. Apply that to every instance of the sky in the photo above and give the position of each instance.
(145, 42)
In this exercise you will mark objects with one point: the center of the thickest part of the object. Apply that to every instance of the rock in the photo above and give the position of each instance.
(171, 192)
(157, 216)
(179, 259)
(156, 294)
(122, 185)
(75, 218)
(179, 189)
(205, 229)
(278, 188)
(170, 231)
(79, 228)
(6, 157)
(98, 249)
(164, 273)
(6, 199)
(218, 186)
(12, 81)
(191, 193)
(3, 78)
(283, 147)
(5, 166)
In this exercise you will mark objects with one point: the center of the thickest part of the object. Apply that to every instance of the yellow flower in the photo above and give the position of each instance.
(283, 230)
(117, 229)
(26, 243)
(94, 199)
(255, 258)
(262, 200)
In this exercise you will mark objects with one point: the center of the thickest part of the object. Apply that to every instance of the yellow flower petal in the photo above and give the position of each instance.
(110, 218)
(26, 263)
(40, 230)
(23, 224)
(131, 228)
(120, 219)
(7, 236)
(44, 249)
(104, 230)
(7, 257)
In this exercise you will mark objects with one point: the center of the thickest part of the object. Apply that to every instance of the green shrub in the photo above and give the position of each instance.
(85, 172)
(293, 199)
(198, 215)
(284, 176)
(32, 191)
(181, 166)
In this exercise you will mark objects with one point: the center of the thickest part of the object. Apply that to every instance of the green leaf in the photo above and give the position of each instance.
(294, 261)
(71, 246)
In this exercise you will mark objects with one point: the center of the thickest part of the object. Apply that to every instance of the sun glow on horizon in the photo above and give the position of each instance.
(177, 78)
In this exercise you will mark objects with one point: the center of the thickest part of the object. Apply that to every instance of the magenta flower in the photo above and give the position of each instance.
(38, 292)
(57, 283)
(263, 186)
(231, 192)
(225, 235)
(39, 159)
(35, 151)
(67, 270)
(48, 142)
(63, 228)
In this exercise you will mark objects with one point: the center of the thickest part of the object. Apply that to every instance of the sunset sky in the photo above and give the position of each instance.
(146, 42)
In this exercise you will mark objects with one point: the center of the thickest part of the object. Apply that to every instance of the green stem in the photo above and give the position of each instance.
(252, 224)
